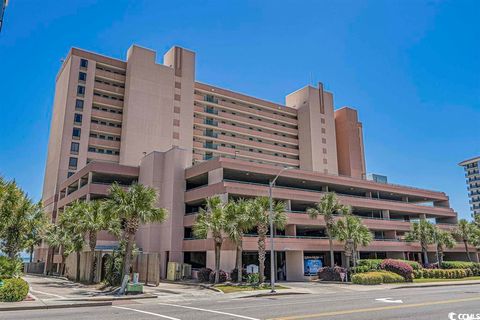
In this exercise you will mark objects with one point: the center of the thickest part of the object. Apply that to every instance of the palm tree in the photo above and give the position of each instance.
(259, 210)
(56, 236)
(134, 206)
(350, 230)
(36, 223)
(238, 221)
(423, 232)
(443, 239)
(465, 233)
(91, 219)
(328, 207)
(212, 220)
(71, 223)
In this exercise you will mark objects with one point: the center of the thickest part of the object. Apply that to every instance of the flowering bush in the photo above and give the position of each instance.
(431, 265)
(331, 274)
(399, 267)
(204, 274)
(221, 278)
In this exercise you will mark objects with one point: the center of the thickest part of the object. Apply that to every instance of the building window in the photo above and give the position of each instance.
(76, 133)
(322, 120)
(83, 63)
(77, 118)
(80, 90)
(324, 150)
(72, 163)
(75, 147)
(324, 140)
(79, 104)
(323, 130)
(69, 174)
(82, 76)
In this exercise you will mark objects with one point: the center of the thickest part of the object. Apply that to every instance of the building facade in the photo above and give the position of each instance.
(140, 120)
(472, 175)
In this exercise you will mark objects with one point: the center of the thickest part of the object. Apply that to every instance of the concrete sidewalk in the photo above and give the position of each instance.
(55, 292)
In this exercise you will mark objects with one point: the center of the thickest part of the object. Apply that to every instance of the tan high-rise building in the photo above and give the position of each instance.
(141, 120)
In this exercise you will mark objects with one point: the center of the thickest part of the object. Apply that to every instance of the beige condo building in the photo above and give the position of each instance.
(141, 120)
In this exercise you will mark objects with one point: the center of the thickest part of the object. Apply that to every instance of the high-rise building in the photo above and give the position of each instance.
(472, 175)
(140, 120)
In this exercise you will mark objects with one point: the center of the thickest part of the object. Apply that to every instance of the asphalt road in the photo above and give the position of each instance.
(434, 303)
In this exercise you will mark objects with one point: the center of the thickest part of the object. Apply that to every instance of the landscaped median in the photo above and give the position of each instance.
(377, 271)
(231, 288)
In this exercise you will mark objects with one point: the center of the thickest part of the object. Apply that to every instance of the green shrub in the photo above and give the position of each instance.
(473, 266)
(443, 273)
(253, 278)
(369, 264)
(10, 268)
(376, 277)
(361, 269)
(15, 289)
(418, 274)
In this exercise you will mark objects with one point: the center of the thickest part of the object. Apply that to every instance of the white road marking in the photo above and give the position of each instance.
(48, 294)
(389, 300)
(146, 312)
(207, 310)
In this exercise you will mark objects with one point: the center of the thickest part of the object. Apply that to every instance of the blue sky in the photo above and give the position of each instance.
(411, 68)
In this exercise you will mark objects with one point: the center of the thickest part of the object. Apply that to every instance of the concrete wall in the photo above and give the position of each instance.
(294, 265)
(316, 129)
(165, 172)
(349, 139)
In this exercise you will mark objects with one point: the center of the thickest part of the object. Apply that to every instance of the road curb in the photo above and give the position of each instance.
(269, 294)
(59, 306)
(426, 285)
(114, 298)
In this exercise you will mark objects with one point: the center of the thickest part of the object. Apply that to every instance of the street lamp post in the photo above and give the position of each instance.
(270, 216)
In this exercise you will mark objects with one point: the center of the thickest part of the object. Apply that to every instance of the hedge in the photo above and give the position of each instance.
(376, 277)
(443, 273)
(13, 290)
(399, 267)
(366, 265)
(473, 266)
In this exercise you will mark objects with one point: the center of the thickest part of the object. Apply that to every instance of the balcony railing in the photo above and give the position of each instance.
(210, 110)
(316, 191)
(210, 134)
(211, 122)
(208, 145)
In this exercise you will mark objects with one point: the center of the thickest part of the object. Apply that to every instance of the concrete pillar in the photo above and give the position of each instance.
(325, 188)
(368, 194)
(405, 199)
(294, 265)
(290, 230)
(423, 216)
(288, 204)
(215, 176)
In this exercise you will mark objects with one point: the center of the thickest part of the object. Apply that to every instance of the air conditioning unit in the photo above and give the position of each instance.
(174, 271)
(186, 271)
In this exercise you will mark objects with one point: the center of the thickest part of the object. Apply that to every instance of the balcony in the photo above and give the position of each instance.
(210, 110)
(210, 134)
(211, 122)
(210, 145)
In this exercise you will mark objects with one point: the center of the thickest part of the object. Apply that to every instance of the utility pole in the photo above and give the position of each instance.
(4, 6)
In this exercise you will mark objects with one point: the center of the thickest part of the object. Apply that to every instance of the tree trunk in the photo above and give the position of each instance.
(466, 250)
(77, 276)
(218, 246)
(128, 254)
(92, 241)
(31, 254)
(239, 261)
(440, 257)
(262, 233)
(425, 254)
(332, 256)
(354, 254)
